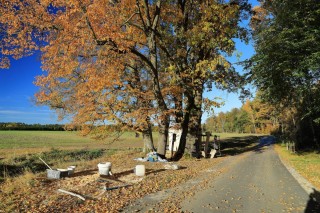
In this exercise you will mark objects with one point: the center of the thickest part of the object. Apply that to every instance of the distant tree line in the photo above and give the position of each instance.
(23, 126)
(254, 116)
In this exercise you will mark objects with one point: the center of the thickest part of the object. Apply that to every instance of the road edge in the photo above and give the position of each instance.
(304, 183)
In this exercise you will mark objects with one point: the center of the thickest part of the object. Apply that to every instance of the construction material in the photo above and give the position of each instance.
(71, 169)
(45, 163)
(152, 157)
(71, 193)
(116, 187)
(171, 166)
(57, 174)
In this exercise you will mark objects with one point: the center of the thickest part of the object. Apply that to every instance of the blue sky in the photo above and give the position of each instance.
(231, 99)
(17, 91)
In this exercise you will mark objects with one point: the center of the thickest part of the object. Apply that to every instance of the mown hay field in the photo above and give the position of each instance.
(27, 142)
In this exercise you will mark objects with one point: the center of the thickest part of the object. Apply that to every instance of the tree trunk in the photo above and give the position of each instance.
(148, 144)
(191, 124)
(254, 123)
(148, 139)
(315, 140)
(153, 69)
(183, 139)
(184, 126)
(163, 137)
(195, 124)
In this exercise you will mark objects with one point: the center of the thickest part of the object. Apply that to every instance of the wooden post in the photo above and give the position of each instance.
(174, 138)
(206, 147)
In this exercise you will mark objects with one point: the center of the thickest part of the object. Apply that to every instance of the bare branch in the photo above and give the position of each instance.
(141, 17)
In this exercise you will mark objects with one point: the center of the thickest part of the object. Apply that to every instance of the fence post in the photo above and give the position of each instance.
(206, 147)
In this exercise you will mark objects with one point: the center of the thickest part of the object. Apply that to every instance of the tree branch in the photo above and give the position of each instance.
(144, 59)
(141, 18)
(156, 15)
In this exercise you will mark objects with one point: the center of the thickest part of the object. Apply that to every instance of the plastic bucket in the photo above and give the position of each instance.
(104, 168)
(71, 169)
(140, 170)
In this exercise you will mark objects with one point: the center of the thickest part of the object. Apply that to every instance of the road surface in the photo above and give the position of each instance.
(254, 181)
(257, 182)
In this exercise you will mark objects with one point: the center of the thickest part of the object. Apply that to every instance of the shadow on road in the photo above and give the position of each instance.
(313, 205)
(238, 145)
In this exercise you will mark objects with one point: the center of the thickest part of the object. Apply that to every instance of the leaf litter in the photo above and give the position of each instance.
(41, 194)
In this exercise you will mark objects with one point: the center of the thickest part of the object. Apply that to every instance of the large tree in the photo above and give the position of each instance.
(201, 36)
(130, 63)
(286, 66)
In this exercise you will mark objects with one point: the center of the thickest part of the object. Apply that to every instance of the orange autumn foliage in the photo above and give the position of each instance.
(130, 63)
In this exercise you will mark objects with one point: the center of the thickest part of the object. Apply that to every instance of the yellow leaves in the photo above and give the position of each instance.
(209, 104)
(208, 69)
(171, 68)
(207, 27)
(218, 25)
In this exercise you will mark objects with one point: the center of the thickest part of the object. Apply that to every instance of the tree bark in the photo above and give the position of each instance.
(148, 139)
(183, 139)
(163, 137)
(184, 126)
(195, 124)
(151, 25)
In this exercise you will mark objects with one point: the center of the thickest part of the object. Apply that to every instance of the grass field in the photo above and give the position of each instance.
(22, 142)
(306, 163)
(69, 140)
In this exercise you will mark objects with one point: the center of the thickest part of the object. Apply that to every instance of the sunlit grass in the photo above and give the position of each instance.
(26, 142)
(306, 163)
(33, 139)
(226, 135)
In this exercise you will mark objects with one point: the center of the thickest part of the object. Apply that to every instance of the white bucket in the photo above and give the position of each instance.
(104, 168)
(140, 170)
(71, 169)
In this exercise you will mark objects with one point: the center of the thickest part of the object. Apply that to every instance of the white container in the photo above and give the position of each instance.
(56, 174)
(104, 168)
(71, 169)
(140, 170)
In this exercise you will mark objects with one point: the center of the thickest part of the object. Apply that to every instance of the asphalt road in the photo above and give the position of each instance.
(255, 182)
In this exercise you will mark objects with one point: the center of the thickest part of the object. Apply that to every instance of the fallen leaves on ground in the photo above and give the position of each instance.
(39, 194)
